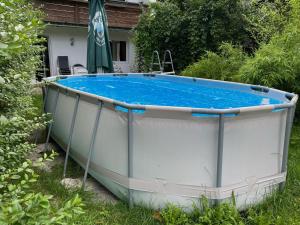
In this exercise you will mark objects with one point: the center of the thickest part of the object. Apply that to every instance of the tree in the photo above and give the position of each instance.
(189, 28)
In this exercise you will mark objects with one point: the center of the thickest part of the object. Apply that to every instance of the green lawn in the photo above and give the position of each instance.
(282, 208)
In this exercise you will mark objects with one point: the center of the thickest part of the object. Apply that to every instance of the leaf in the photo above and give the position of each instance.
(15, 177)
(2, 81)
(3, 46)
(3, 119)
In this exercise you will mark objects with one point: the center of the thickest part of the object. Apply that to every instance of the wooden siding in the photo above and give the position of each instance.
(120, 15)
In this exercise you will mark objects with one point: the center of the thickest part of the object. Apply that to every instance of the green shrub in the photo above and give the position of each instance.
(205, 215)
(277, 63)
(188, 29)
(265, 18)
(20, 27)
(21, 206)
(224, 65)
(213, 22)
(191, 28)
(221, 214)
(172, 215)
(161, 28)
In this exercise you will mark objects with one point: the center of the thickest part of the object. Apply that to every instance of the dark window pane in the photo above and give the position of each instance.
(123, 51)
(114, 51)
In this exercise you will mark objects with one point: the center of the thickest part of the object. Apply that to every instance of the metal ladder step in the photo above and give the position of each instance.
(155, 55)
(170, 62)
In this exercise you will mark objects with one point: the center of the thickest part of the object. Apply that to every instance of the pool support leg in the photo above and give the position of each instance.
(45, 94)
(92, 143)
(288, 130)
(130, 154)
(53, 117)
(45, 98)
(220, 152)
(71, 134)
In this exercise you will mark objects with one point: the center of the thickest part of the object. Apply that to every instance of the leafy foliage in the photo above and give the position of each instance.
(277, 63)
(224, 65)
(162, 27)
(266, 18)
(225, 213)
(20, 27)
(189, 29)
(173, 215)
(21, 206)
(214, 22)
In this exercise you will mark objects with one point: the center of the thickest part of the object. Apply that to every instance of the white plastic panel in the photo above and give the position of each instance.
(83, 127)
(63, 117)
(253, 146)
(51, 95)
(182, 151)
(111, 141)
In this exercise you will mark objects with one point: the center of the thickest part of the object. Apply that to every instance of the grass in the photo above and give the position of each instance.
(97, 212)
(281, 208)
(37, 100)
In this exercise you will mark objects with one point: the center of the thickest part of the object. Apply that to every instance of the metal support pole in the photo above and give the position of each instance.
(220, 151)
(44, 107)
(71, 134)
(53, 117)
(130, 154)
(95, 129)
(45, 98)
(288, 130)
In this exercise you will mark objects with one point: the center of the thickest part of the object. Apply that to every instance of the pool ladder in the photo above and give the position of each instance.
(167, 56)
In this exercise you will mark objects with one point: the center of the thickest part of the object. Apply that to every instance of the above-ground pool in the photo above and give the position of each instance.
(155, 139)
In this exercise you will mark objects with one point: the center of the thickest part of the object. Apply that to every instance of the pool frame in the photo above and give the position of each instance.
(220, 113)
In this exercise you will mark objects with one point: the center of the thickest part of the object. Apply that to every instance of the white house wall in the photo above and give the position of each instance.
(59, 43)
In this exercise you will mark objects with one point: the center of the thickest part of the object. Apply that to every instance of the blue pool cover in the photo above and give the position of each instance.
(166, 92)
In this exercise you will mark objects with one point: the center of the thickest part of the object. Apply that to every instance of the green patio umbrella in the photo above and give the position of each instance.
(98, 53)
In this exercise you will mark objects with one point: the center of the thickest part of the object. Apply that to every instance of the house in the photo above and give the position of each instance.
(67, 29)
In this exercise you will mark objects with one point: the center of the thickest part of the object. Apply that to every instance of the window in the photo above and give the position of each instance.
(118, 50)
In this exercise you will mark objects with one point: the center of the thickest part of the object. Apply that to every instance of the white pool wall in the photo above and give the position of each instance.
(174, 155)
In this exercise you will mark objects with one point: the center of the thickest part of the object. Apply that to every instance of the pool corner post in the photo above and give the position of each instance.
(130, 154)
(45, 96)
(92, 143)
(45, 91)
(71, 133)
(53, 117)
(288, 131)
(220, 154)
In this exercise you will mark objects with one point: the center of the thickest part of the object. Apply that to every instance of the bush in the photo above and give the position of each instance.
(162, 27)
(277, 63)
(224, 213)
(205, 215)
(191, 28)
(21, 206)
(224, 65)
(188, 29)
(20, 27)
(173, 215)
(213, 22)
(266, 18)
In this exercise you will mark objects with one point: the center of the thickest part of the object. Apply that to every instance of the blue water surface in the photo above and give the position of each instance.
(165, 92)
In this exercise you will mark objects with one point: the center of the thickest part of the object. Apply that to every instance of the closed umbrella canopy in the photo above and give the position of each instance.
(99, 53)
